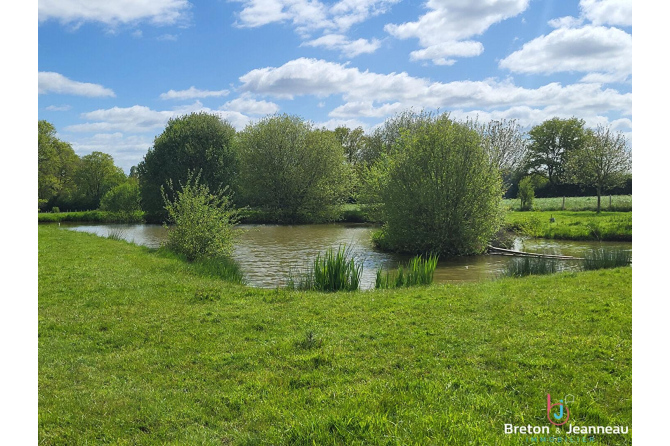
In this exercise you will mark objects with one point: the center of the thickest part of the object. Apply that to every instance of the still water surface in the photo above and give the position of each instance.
(267, 253)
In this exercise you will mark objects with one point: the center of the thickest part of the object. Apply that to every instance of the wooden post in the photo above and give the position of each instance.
(563, 206)
(610, 201)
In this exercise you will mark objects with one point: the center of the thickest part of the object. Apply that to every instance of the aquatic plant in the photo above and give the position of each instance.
(607, 258)
(418, 271)
(330, 271)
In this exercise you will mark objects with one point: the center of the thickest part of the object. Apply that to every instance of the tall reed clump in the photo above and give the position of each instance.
(607, 258)
(330, 271)
(527, 266)
(418, 271)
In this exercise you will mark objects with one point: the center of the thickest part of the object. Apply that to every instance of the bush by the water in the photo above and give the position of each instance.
(331, 271)
(526, 193)
(202, 222)
(442, 194)
(418, 271)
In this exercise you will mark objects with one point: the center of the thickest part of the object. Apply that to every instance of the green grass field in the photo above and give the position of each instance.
(139, 348)
(620, 203)
(609, 226)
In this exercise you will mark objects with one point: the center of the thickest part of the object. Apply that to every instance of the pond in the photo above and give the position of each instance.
(268, 253)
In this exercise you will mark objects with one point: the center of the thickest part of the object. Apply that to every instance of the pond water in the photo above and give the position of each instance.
(268, 253)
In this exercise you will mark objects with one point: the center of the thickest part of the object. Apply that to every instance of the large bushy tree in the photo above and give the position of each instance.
(551, 144)
(603, 162)
(292, 170)
(506, 145)
(96, 175)
(442, 193)
(56, 167)
(198, 142)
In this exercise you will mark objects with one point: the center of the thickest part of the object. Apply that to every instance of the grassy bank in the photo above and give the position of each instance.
(139, 348)
(620, 203)
(91, 217)
(607, 226)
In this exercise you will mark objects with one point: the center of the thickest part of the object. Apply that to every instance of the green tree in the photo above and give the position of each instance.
(603, 162)
(551, 144)
(122, 198)
(526, 193)
(198, 142)
(352, 141)
(443, 193)
(96, 175)
(293, 171)
(56, 166)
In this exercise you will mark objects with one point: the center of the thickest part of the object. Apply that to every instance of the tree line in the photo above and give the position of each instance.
(421, 167)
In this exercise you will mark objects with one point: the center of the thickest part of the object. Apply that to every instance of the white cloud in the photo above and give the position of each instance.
(193, 93)
(349, 48)
(332, 124)
(251, 106)
(586, 49)
(50, 82)
(320, 78)
(440, 52)
(566, 22)
(59, 107)
(113, 13)
(310, 16)
(450, 21)
(608, 12)
(365, 109)
(127, 150)
(142, 119)
(167, 38)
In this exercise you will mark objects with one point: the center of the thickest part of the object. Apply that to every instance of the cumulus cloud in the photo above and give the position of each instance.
(50, 82)
(248, 105)
(608, 12)
(448, 22)
(341, 43)
(310, 16)
(127, 150)
(193, 93)
(113, 13)
(58, 107)
(321, 78)
(587, 49)
(142, 119)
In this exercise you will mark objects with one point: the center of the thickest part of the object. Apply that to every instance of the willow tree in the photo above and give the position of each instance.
(443, 192)
(291, 170)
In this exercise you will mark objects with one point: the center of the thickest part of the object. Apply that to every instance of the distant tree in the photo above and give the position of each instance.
(124, 197)
(526, 193)
(352, 141)
(603, 162)
(96, 175)
(293, 171)
(56, 166)
(506, 145)
(551, 144)
(442, 192)
(199, 142)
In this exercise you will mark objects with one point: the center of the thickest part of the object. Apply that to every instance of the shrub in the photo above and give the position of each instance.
(418, 271)
(443, 192)
(122, 198)
(526, 193)
(202, 222)
(55, 210)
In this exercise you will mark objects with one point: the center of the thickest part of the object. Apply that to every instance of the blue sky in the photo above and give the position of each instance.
(112, 73)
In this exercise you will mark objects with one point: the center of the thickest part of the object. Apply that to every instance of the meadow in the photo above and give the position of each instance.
(583, 225)
(139, 347)
(620, 203)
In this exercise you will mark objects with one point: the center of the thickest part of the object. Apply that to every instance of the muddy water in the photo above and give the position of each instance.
(268, 253)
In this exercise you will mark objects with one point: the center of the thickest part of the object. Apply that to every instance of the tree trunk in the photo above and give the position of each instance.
(598, 208)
